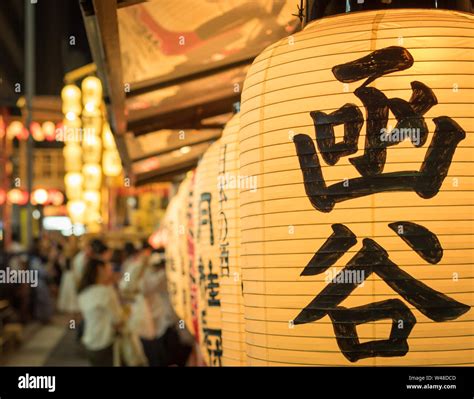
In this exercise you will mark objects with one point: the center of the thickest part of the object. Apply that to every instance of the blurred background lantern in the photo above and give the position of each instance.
(16, 130)
(321, 205)
(71, 100)
(91, 93)
(49, 130)
(93, 219)
(72, 157)
(73, 182)
(17, 197)
(107, 137)
(76, 210)
(91, 149)
(207, 253)
(55, 197)
(111, 163)
(92, 176)
(92, 199)
(228, 240)
(37, 131)
(39, 197)
(71, 129)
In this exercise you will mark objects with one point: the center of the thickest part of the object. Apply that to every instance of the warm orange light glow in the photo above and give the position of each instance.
(39, 196)
(111, 163)
(17, 196)
(37, 131)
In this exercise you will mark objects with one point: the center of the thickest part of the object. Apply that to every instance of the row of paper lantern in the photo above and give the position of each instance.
(82, 152)
(40, 132)
(89, 152)
(329, 265)
(203, 268)
(39, 196)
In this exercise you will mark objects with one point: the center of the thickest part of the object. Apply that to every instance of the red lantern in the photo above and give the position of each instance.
(49, 130)
(17, 196)
(59, 133)
(55, 197)
(36, 131)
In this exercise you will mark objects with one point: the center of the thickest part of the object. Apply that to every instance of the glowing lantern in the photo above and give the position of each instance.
(71, 130)
(92, 176)
(358, 237)
(108, 137)
(173, 262)
(91, 93)
(176, 237)
(71, 97)
(36, 131)
(16, 130)
(17, 196)
(92, 148)
(49, 130)
(207, 252)
(73, 182)
(92, 217)
(72, 157)
(56, 197)
(92, 199)
(39, 196)
(76, 210)
(186, 248)
(111, 163)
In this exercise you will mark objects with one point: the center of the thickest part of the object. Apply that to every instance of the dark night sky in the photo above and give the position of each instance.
(56, 21)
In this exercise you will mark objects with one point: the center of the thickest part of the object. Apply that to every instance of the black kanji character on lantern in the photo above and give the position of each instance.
(426, 182)
(205, 216)
(209, 283)
(372, 258)
(213, 343)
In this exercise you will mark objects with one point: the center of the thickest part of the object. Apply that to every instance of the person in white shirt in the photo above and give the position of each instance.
(167, 346)
(101, 310)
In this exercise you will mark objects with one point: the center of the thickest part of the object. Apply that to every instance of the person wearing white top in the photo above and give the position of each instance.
(100, 307)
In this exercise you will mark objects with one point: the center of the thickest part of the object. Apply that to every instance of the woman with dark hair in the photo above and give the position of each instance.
(101, 310)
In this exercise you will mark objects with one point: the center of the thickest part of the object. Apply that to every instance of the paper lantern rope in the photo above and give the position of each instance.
(373, 258)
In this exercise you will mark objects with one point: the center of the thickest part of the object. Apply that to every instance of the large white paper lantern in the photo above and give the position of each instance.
(228, 240)
(173, 258)
(357, 249)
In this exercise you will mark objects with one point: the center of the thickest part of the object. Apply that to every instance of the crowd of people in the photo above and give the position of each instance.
(117, 297)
